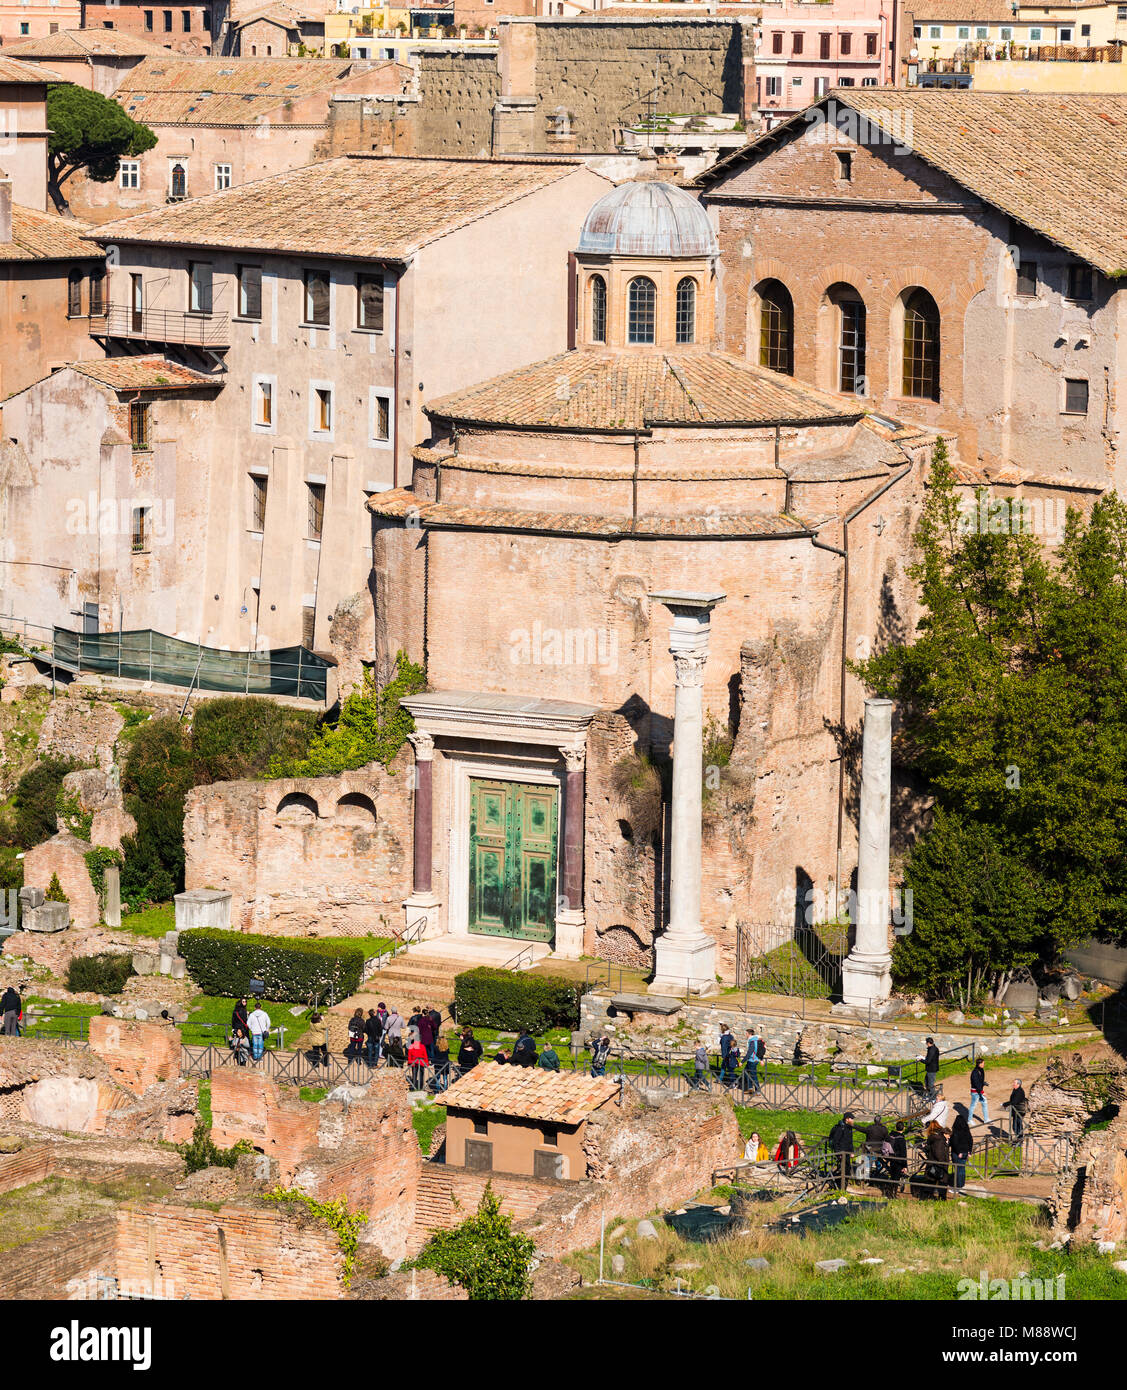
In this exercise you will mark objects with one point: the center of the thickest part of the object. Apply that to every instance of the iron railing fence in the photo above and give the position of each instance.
(162, 326)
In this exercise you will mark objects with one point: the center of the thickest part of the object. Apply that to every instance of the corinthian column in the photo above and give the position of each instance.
(685, 955)
(570, 921)
(866, 972)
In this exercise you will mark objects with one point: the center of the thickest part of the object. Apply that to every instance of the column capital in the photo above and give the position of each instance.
(574, 758)
(423, 744)
(689, 669)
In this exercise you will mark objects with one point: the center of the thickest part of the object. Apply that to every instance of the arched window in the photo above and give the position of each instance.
(687, 311)
(851, 325)
(598, 289)
(179, 181)
(74, 293)
(921, 346)
(776, 327)
(641, 314)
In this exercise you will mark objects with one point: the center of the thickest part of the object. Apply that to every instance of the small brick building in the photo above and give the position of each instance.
(508, 1119)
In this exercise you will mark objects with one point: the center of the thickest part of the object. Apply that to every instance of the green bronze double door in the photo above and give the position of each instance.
(512, 859)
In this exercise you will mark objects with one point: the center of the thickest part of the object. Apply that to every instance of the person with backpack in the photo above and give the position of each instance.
(978, 1093)
(700, 1068)
(355, 1035)
(599, 1056)
(373, 1032)
(729, 1056)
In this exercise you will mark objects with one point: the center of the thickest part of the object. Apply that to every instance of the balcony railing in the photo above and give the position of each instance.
(163, 326)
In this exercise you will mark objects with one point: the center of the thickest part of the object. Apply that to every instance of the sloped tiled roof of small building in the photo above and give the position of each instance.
(44, 236)
(152, 373)
(626, 391)
(1055, 162)
(12, 70)
(564, 1097)
(364, 206)
(86, 43)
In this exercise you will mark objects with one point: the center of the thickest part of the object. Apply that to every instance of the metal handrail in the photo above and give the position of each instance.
(516, 961)
(411, 936)
(163, 325)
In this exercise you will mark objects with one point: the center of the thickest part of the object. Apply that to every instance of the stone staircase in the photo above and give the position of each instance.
(425, 973)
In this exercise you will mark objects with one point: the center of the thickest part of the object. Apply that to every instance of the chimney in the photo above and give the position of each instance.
(5, 210)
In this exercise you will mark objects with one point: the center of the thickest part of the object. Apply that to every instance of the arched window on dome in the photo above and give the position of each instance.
(687, 310)
(641, 310)
(921, 346)
(597, 291)
(776, 327)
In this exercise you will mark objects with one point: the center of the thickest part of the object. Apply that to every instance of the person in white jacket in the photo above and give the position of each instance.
(258, 1025)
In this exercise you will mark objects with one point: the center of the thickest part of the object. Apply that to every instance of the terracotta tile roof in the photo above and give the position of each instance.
(560, 1097)
(961, 12)
(142, 374)
(401, 504)
(1055, 162)
(83, 43)
(229, 91)
(624, 391)
(283, 15)
(12, 70)
(364, 206)
(44, 236)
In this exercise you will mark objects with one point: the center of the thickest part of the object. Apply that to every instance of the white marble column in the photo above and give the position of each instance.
(866, 972)
(685, 955)
(570, 921)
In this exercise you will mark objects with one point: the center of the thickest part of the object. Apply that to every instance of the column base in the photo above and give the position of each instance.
(684, 964)
(427, 907)
(866, 979)
(570, 927)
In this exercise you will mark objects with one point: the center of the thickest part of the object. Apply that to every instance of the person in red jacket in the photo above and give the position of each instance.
(418, 1062)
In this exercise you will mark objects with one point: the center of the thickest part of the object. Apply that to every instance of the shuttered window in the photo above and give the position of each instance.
(317, 297)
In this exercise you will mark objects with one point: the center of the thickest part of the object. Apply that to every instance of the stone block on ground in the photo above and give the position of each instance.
(830, 1266)
(50, 917)
(203, 907)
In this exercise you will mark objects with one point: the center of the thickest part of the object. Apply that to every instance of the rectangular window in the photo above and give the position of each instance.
(868, 82)
(264, 403)
(369, 302)
(796, 82)
(25, 29)
(821, 87)
(981, 32)
(379, 422)
(168, 21)
(97, 292)
(1121, 12)
(74, 294)
(963, 31)
(480, 1127)
(1006, 33)
(199, 291)
(1079, 283)
(250, 291)
(140, 530)
(1027, 279)
(1065, 36)
(846, 82)
(870, 44)
(935, 31)
(308, 623)
(773, 85)
(796, 43)
(846, 45)
(139, 422)
(844, 167)
(776, 43)
(322, 409)
(551, 1134)
(1085, 31)
(129, 173)
(1075, 397)
(149, 21)
(222, 177)
(186, 21)
(823, 46)
(317, 297)
(1035, 34)
(316, 510)
(258, 490)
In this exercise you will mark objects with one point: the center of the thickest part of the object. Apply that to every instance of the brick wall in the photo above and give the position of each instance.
(309, 856)
(65, 855)
(30, 1165)
(236, 1252)
(251, 1107)
(62, 1264)
(448, 1195)
(138, 1054)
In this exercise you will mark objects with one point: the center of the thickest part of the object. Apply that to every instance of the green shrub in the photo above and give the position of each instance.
(234, 738)
(489, 998)
(158, 765)
(372, 727)
(11, 870)
(54, 893)
(202, 1153)
(68, 810)
(35, 800)
(101, 974)
(483, 1254)
(292, 970)
(98, 860)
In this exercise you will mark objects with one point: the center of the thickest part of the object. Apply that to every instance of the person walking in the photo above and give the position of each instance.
(373, 1032)
(239, 1018)
(930, 1059)
(469, 1052)
(355, 1035)
(258, 1025)
(978, 1093)
(841, 1147)
(417, 1063)
(962, 1144)
(11, 1006)
(700, 1068)
(1018, 1106)
(751, 1061)
(938, 1156)
(549, 1058)
(319, 1040)
(599, 1056)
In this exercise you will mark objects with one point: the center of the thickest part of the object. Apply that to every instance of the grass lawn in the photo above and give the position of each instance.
(426, 1119)
(151, 921)
(58, 1018)
(29, 1212)
(923, 1250)
(771, 1125)
(215, 1010)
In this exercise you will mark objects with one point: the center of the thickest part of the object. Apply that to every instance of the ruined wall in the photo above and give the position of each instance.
(137, 1054)
(82, 729)
(458, 91)
(236, 1252)
(65, 855)
(315, 856)
(62, 1264)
